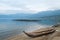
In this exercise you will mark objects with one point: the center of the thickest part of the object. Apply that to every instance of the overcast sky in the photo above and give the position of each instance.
(14, 6)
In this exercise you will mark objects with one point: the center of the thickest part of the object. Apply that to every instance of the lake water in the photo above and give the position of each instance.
(10, 28)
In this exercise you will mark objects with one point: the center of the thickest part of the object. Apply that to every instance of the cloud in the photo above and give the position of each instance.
(28, 5)
(7, 7)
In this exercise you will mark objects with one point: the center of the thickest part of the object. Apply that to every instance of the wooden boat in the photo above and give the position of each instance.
(41, 32)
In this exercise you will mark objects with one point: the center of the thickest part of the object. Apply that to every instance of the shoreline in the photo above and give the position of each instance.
(25, 37)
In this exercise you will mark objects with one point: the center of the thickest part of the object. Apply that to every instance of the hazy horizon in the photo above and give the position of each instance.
(27, 6)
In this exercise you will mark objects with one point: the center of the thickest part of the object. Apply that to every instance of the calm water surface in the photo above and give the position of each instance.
(10, 28)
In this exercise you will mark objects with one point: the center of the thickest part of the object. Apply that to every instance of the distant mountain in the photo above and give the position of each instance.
(46, 13)
(21, 15)
(32, 16)
(17, 15)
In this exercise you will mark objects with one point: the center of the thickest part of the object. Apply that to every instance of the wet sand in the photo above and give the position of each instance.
(54, 36)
